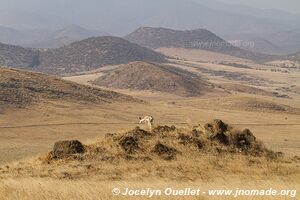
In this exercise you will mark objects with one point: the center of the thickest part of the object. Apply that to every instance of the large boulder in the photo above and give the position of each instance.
(165, 152)
(244, 140)
(164, 129)
(129, 144)
(218, 130)
(190, 140)
(63, 149)
(219, 126)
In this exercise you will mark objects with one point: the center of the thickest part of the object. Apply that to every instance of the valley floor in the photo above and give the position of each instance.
(30, 131)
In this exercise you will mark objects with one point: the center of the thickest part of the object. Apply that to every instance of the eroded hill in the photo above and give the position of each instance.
(154, 77)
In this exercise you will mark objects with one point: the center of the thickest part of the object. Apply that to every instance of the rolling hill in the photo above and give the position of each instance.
(88, 54)
(153, 77)
(22, 88)
(189, 39)
(94, 53)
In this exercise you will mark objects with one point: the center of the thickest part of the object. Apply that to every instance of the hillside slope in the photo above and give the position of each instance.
(21, 88)
(147, 76)
(16, 56)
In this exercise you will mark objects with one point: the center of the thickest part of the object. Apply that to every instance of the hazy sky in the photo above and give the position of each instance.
(287, 5)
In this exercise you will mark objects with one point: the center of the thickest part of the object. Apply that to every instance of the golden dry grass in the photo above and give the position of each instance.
(40, 189)
(32, 131)
(198, 55)
(93, 177)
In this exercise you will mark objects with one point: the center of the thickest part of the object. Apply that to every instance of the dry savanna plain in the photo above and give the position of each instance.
(264, 98)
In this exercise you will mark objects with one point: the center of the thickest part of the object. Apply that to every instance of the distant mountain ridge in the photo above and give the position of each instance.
(294, 57)
(191, 39)
(119, 17)
(280, 42)
(88, 54)
(163, 37)
(44, 38)
(66, 36)
(259, 45)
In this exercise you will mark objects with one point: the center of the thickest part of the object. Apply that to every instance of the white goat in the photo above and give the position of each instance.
(147, 120)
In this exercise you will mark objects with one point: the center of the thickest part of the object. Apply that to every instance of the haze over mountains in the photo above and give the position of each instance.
(44, 38)
(120, 18)
(295, 57)
(60, 36)
(282, 42)
(95, 52)
(114, 15)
